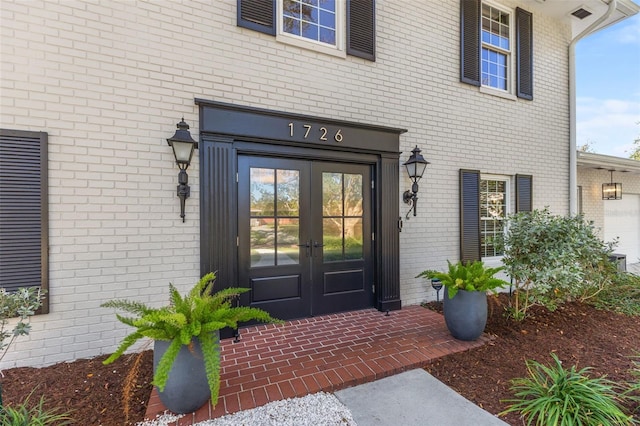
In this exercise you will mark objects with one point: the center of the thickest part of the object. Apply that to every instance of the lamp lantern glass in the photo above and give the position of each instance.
(183, 151)
(416, 165)
(612, 190)
(183, 145)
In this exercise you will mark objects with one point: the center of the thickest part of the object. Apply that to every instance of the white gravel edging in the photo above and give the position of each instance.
(318, 409)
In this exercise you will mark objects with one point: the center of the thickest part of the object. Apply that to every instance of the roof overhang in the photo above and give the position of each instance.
(590, 160)
(563, 10)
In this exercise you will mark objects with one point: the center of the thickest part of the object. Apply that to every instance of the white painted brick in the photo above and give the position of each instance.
(108, 81)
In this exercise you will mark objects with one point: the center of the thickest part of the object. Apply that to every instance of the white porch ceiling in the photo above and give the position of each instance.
(607, 162)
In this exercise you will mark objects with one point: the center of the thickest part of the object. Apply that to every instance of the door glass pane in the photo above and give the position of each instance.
(274, 216)
(342, 216)
(353, 238)
(353, 195)
(332, 239)
(287, 240)
(332, 194)
(288, 192)
(262, 192)
(263, 239)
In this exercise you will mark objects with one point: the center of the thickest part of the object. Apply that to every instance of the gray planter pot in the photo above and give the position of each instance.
(187, 388)
(466, 314)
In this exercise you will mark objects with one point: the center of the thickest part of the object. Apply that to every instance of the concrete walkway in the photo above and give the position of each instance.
(412, 398)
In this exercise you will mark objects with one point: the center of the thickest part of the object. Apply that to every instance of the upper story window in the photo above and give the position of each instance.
(313, 24)
(496, 47)
(311, 19)
(335, 27)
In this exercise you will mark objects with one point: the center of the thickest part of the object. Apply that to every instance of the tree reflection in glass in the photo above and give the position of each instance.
(274, 216)
(342, 216)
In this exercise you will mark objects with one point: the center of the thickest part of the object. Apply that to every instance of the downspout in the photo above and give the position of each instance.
(573, 155)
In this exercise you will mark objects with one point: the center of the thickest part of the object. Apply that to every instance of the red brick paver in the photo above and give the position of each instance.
(325, 353)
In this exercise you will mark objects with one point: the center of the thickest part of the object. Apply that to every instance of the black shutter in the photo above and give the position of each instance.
(469, 215)
(23, 210)
(470, 13)
(524, 191)
(361, 29)
(524, 54)
(258, 15)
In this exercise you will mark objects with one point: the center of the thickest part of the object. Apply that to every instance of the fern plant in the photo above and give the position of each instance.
(199, 314)
(470, 276)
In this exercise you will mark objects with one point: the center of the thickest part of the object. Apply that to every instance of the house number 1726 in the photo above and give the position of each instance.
(322, 133)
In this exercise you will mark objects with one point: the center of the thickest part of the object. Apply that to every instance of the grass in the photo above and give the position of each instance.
(36, 415)
(632, 394)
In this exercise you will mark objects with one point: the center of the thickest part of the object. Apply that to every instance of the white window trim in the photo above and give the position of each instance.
(511, 72)
(495, 261)
(341, 30)
(497, 92)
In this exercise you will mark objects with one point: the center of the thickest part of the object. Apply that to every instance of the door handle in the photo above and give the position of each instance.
(307, 247)
(316, 245)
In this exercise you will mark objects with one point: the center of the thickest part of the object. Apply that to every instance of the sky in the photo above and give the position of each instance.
(608, 89)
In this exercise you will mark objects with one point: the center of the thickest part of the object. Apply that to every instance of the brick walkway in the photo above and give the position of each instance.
(326, 353)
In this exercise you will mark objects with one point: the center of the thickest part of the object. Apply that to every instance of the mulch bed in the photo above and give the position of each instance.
(91, 391)
(579, 334)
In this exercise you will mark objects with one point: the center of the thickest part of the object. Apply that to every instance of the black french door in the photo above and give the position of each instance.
(305, 235)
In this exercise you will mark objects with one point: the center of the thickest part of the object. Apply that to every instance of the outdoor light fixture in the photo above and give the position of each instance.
(437, 286)
(183, 146)
(416, 165)
(612, 191)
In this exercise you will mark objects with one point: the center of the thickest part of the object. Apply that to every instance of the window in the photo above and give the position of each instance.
(312, 24)
(336, 27)
(314, 20)
(497, 48)
(494, 207)
(23, 211)
(484, 203)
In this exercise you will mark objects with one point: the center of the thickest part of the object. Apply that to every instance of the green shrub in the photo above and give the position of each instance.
(24, 415)
(632, 393)
(559, 397)
(554, 259)
(622, 296)
(20, 304)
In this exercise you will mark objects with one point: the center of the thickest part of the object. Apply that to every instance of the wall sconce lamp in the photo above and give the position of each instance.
(612, 191)
(416, 165)
(183, 146)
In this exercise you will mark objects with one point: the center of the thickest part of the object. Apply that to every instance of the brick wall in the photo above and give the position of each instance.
(108, 81)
